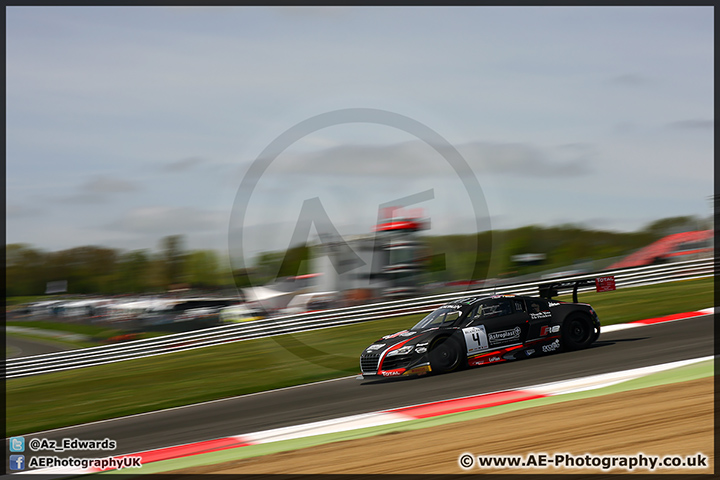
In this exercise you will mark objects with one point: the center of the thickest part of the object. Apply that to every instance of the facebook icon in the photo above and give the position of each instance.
(17, 462)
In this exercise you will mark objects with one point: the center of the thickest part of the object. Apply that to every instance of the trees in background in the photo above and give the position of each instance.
(134, 273)
(669, 226)
(454, 257)
(25, 270)
(174, 259)
(101, 270)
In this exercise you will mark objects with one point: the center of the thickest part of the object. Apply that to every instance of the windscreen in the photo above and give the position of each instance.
(441, 316)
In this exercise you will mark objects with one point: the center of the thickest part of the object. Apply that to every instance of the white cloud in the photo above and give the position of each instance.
(693, 124)
(103, 184)
(168, 220)
(183, 164)
(98, 189)
(527, 160)
(415, 159)
(552, 105)
(20, 211)
(630, 80)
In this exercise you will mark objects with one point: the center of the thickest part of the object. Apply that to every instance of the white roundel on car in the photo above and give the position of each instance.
(475, 339)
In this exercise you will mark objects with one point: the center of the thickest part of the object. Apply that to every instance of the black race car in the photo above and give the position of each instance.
(478, 330)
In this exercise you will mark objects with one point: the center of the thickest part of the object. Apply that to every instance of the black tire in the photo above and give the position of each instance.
(578, 332)
(444, 355)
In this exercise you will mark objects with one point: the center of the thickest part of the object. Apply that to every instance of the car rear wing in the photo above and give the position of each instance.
(602, 284)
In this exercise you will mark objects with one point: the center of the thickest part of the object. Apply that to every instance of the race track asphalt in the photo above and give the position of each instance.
(619, 350)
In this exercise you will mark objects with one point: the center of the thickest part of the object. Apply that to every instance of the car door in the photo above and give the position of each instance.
(541, 322)
(496, 323)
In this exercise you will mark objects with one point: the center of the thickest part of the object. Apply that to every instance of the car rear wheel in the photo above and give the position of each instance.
(444, 355)
(578, 332)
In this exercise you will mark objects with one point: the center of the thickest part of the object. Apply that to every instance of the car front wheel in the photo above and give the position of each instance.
(444, 355)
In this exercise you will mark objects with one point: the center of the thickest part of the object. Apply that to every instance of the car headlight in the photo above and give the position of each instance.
(401, 351)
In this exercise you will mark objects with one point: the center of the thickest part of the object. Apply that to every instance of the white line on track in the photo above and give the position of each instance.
(607, 379)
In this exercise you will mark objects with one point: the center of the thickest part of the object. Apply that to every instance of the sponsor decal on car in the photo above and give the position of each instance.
(504, 335)
(552, 346)
(392, 373)
(475, 339)
(452, 305)
(419, 370)
(536, 316)
(553, 304)
(547, 329)
(398, 334)
(484, 360)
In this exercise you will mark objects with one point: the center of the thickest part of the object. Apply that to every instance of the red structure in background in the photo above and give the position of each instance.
(403, 252)
(671, 248)
(410, 225)
(401, 219)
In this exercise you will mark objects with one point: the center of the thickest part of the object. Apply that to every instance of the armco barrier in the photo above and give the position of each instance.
(85, 357)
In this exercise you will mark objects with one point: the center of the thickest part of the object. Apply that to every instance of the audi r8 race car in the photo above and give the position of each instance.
(479, 330)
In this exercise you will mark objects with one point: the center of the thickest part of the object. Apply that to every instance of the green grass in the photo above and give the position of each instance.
(61, 343)
(630, 304)
(77, 396)
(97, 334)
(83, 329)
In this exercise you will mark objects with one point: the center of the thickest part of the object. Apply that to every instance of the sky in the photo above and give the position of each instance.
(128, 124)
